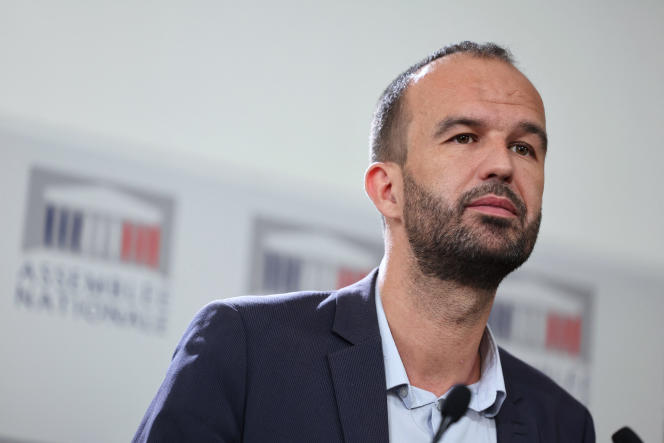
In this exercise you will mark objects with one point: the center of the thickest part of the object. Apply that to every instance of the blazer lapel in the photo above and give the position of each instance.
(514, 422)
(511, 428)
(358, 371)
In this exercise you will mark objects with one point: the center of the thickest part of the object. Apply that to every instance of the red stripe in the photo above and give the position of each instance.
(573, 335)
(127, 232)
(142, 244)
(153, 246)
(563, 333)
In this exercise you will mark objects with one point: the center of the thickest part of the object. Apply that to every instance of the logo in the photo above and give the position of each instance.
(289, 257)
(95, 250)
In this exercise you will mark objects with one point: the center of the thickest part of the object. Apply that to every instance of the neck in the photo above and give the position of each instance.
(437, 326)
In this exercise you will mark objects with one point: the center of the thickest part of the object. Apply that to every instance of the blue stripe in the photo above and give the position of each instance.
(48, 225)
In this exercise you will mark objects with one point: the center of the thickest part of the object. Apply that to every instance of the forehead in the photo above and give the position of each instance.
(462, 83)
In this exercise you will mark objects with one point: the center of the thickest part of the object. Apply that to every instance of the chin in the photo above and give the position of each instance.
(499, 222)
(496, 231)
(497, 237)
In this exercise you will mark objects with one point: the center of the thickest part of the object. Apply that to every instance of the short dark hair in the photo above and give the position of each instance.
(387, 138)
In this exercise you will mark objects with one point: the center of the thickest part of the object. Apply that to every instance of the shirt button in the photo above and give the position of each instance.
(403, 392)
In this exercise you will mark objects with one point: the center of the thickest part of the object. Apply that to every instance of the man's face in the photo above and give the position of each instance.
(474, 174)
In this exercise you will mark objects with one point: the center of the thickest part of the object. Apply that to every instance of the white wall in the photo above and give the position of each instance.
(284, 91)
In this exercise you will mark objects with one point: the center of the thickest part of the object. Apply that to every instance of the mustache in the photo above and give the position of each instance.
(497, 189)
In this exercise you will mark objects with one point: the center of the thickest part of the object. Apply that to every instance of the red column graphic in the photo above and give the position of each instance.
(564, 333)
(573, 335)
(142, 244)
(154, 238)
(127, 241)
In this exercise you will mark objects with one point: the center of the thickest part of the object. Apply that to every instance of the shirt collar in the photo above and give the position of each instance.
(488, 394)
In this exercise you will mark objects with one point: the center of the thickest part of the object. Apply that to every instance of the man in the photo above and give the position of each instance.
(458, 145)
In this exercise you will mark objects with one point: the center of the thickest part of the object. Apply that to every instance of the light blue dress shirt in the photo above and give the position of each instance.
(414, 414)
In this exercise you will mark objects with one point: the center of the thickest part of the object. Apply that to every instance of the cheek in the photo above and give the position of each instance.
(450, 185)
(450, 176)
(532, 190)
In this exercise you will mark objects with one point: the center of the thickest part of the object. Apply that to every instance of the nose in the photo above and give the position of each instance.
(497, 164)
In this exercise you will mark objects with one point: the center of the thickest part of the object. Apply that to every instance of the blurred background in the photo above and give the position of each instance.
(155, 156)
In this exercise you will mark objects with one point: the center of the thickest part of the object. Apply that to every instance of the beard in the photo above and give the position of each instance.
(476, 253)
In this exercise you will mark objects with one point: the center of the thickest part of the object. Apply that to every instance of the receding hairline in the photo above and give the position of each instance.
(426, 70)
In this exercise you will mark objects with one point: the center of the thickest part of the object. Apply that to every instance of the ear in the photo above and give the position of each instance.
(383, 185)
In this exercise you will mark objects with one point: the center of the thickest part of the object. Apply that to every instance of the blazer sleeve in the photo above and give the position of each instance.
(202, 397)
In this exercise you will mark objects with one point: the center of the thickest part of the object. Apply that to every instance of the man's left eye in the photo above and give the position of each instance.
(521, 149)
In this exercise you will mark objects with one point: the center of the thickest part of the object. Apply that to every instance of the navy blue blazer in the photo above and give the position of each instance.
(308, 367)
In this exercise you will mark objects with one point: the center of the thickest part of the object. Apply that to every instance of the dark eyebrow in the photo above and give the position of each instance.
(444, 125)
(533, 128)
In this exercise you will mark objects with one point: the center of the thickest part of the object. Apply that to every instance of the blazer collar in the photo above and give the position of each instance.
(358, 375)
(514, 422)
(355, 319)
(358, 370)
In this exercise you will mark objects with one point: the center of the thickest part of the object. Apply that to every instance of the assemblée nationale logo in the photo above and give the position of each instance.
(95, 250)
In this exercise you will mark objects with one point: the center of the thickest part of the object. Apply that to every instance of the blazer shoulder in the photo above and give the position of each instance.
(288, 300)
(301, 303)
(306, 311)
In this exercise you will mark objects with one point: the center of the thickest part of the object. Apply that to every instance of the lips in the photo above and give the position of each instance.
(494, 205)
